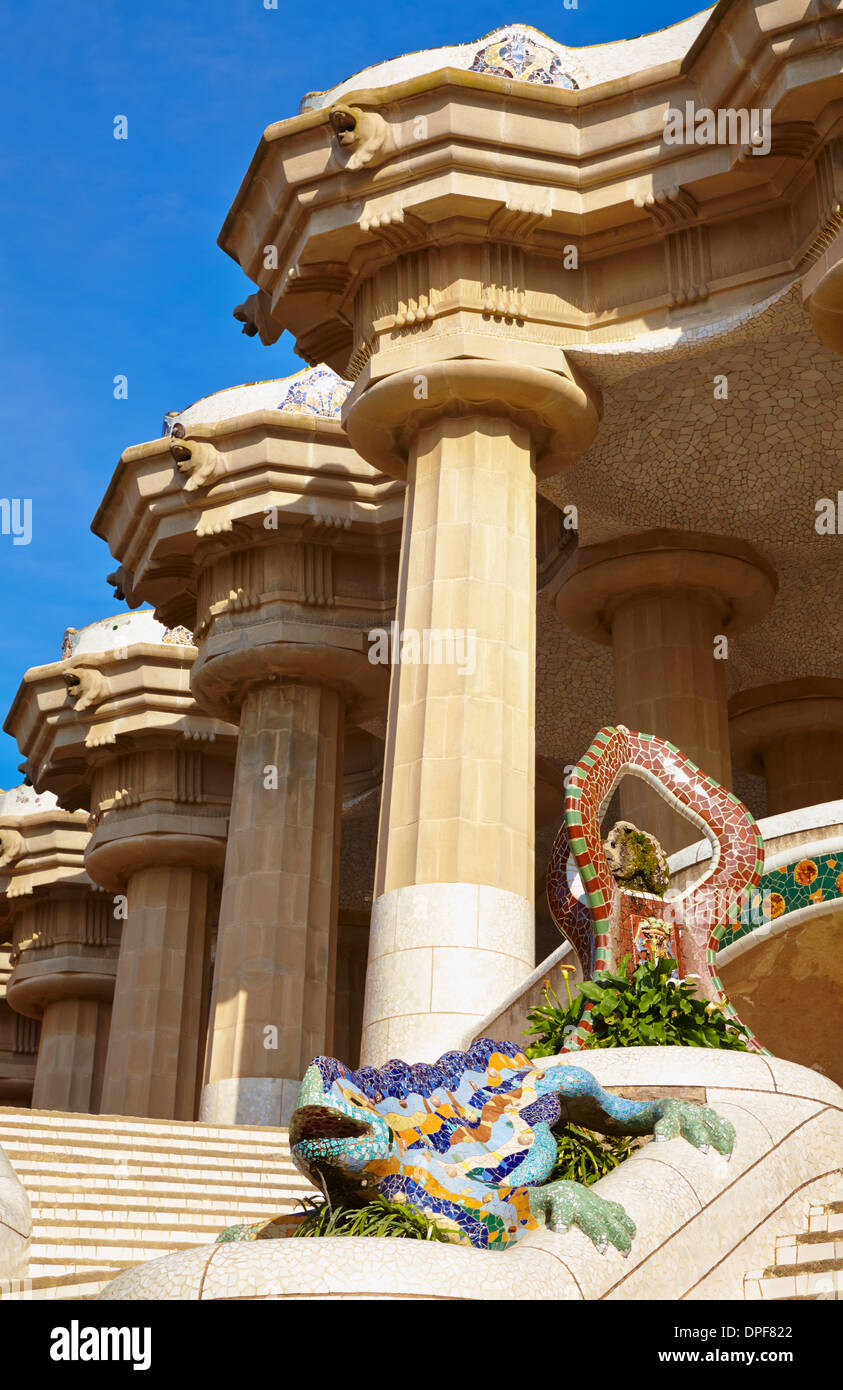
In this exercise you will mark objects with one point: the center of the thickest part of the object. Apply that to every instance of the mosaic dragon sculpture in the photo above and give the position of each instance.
(467, 1141)
(605, 921)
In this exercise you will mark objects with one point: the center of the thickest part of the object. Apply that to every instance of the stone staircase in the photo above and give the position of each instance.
(808, 1265)
(109, 1191)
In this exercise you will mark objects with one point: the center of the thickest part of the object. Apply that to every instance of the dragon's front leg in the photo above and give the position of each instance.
(564, 1204)
(583, 1101)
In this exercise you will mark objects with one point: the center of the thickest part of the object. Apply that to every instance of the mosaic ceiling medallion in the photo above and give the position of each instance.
(517, 55)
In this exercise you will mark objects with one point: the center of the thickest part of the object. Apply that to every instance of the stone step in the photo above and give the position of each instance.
(806, 1265)
(158, 1225)
(86, 1141)
(795, 1281)
(807, 1247)
(88, 1144)
(41, 1172)
(124, 1206)
(109, 1192)
(819, 1266)
(79, 1284)
(57, 1121)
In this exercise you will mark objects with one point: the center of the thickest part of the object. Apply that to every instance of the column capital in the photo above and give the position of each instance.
(282, 539)
(64, 937)
(558, 408)
(599, 579)
(768, 714)
(117, 736)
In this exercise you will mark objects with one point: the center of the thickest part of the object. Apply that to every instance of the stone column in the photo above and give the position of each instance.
(452, 922)
(71, 1055)
(452, 919)
(18, 1046)
(287, 542)
(155, 773)
(272, 1005)
(157, 1046)
(791, 733)
(665, 601)
(64, 953)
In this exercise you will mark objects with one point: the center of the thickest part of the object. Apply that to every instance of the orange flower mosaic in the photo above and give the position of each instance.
(774, 905)
(805, 872)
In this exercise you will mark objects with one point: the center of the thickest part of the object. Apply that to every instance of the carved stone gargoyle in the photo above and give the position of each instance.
(11, 846)
(200, 461)
(85, 686)
(123, 582)
(255, 316)
(363, 132)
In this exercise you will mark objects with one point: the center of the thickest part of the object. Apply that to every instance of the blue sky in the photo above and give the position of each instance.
(109, 259)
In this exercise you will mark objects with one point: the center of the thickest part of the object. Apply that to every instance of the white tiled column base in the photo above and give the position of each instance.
(440, 956)
(249, 1100)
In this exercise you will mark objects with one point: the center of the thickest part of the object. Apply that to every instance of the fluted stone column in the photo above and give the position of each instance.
(791, 733)
(661, 600)
(71, 1055)
(272, 1006)
(452, 918)
(157, 1046)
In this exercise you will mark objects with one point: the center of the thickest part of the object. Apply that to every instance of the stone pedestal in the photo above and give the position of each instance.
(791, 733)
(156, 774)
(668, 603)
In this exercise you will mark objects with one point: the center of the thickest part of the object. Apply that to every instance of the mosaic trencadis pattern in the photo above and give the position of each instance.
(607, 924)
(317, 391)
(467, 1141)
(804, 882)
(518, 55)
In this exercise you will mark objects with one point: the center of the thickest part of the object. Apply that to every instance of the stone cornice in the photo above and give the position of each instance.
(47, 853)
(141, 698)
(588, 166)
(301, 466)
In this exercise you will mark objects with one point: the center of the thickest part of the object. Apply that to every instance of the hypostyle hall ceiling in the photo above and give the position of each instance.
(668, 454)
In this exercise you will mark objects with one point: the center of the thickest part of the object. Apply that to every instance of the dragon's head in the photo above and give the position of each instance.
(336, 1132)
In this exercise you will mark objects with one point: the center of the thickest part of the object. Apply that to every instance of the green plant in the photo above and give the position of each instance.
(639, 1008)
(377, 1217)
(582, 1156)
